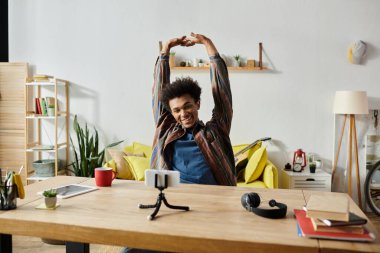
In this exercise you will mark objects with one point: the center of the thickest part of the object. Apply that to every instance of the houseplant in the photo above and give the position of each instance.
(312, 167)
(87, 156)
(50, 198)
(236, 61)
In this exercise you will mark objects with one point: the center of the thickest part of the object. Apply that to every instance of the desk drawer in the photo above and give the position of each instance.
(310, 183)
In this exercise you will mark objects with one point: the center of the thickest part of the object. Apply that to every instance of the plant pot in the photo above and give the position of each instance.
(50, 202)
(235, 63)
(172, 61)
(51, 111)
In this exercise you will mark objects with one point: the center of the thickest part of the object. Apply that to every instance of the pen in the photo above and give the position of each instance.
(22, 167)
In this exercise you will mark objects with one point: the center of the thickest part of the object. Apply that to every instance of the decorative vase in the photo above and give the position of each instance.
(50, 202)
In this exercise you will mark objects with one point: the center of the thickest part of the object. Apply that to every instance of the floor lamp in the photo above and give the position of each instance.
(350, 103)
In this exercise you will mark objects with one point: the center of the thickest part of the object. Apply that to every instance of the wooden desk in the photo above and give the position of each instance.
(216, 221)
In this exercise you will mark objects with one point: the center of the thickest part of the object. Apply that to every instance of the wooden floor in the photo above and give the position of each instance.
(24, 244)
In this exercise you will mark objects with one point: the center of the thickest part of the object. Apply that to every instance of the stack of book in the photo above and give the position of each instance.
(328, 217)
(42, 78)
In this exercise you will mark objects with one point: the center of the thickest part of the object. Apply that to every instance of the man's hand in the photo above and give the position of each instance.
(173, 43)
(201, 39)
(197, 39)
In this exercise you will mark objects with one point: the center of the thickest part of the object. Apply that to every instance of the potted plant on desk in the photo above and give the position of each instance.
(50, 198)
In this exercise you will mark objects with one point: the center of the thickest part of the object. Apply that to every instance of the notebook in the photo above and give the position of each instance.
(307, 230)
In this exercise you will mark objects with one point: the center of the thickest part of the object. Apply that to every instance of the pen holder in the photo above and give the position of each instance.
(8, 197)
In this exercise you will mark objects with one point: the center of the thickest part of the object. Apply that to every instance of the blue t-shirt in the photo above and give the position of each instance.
(190, 162)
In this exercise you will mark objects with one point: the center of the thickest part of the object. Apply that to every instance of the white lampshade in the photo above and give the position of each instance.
(351, 102)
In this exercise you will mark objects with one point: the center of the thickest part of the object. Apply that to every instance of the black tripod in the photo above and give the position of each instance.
(160, 198)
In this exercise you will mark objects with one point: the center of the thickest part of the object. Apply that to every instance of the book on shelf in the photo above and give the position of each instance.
(306, 230)
(319, 226)
(38, 106)
(42, 78)
(353, 220)
(334, 207)
(50, 101)
(43, 106)
(43, 147)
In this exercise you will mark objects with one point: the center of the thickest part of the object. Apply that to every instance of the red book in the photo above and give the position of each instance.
(38, 106)
(307, 230)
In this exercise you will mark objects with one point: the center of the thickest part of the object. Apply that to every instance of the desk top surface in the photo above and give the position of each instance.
(216, 221)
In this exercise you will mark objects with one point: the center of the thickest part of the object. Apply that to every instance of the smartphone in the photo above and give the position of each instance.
(172, 177)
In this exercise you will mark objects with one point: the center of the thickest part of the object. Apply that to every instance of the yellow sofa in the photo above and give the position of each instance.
(131, 163)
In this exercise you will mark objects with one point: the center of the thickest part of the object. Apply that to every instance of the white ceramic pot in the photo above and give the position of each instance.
(50, 111)
(50, 202)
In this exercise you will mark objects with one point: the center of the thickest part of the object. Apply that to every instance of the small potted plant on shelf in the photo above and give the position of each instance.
(50, 198)
(51, 110)
(312, 167)
(172, 59)
(236, 61)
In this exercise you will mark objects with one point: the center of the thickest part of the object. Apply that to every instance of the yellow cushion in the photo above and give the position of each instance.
(256, 184)
(111, 164)
(270, 175)
(122, 168)
(138, 166)
(139, 147)
(255, 165)
(128, 149)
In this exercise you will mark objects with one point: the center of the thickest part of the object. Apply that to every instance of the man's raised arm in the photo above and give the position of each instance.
(162, 75)
(221, 90)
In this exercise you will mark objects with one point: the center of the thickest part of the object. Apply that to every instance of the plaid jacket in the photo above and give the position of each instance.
(212, 138)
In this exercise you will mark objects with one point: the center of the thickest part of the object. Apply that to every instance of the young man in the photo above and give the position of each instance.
(202, 153)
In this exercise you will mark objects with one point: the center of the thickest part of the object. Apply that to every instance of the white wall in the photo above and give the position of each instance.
(107, 50)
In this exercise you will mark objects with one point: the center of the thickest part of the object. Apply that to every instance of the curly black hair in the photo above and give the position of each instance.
(178, 88)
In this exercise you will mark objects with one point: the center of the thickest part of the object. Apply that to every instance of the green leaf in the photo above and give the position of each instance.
(87, 156)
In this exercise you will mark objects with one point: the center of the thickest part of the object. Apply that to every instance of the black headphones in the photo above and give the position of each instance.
(251, 201)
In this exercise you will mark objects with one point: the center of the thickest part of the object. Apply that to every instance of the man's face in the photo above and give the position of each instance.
(185, 110)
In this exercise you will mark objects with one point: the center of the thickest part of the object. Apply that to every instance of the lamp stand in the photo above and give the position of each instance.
(352, 141)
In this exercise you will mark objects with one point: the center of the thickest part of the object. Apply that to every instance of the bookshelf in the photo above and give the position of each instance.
(43, 142)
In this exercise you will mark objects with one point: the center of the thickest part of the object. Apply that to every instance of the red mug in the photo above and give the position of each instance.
(104, 176)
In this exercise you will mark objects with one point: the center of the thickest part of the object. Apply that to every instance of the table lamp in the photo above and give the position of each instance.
(350, 103)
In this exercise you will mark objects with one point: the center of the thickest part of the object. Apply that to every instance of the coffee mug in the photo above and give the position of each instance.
(104, 176)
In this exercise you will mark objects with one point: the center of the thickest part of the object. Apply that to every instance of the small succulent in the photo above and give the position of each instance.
(312, 165)
(50, 193)
(237, 57)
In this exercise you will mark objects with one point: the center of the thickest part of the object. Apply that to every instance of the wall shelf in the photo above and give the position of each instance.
(233, 69)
